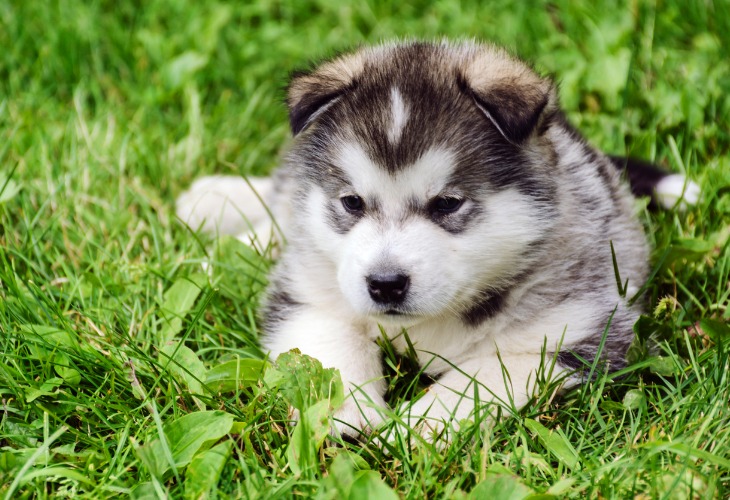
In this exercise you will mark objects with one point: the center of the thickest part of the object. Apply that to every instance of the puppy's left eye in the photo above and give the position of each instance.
(446, 204)
(353, 203)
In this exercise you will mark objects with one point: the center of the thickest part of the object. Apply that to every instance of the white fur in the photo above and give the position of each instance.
(334, 341)
(232, 205)
(399, 116)
(560, 294)
(676, 188)
(424, 179)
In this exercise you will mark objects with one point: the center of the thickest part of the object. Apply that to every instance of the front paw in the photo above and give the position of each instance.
(429, 418)
(434, 418)
(358, 416)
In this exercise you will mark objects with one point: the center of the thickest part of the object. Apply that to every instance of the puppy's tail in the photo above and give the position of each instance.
(665, 189)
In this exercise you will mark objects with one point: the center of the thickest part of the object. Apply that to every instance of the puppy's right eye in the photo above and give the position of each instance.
(353, 204)
(446, 204)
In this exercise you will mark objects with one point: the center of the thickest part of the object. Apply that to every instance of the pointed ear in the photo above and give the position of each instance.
(311, 93)
(511, 95)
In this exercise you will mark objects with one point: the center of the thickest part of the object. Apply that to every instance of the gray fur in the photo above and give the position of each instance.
(539, 211)
(585, 204)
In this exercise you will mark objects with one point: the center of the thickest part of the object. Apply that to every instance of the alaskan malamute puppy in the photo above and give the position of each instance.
(437, 189)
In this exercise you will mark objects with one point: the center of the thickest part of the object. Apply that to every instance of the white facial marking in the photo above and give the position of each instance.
(425, 178)
(445, 270)
(399, 116)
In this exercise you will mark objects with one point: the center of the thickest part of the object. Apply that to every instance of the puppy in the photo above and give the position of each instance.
(435, 192)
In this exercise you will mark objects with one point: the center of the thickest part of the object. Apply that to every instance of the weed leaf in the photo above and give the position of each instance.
(186, 436)
(502, 487)
(307, 382)
(185, 365)
(555, 443)
(235, 375)
(309, 434)
(369, 485)
(633, 399)
(205, 469)
(8, 189)
(177, 302)
(716, 330)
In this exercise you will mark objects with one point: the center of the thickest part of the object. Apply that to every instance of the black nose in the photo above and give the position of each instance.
(388, 288)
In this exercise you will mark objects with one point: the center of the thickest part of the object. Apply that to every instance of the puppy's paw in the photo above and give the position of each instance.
(357, 416)
(435, 418)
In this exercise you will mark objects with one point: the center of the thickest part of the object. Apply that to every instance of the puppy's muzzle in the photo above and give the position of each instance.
(388, 289)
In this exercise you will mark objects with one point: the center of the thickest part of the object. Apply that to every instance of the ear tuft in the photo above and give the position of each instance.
(512, 96)
(311, 105)
(310, 94)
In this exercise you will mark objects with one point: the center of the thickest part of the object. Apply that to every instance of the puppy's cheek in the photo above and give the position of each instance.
(315, 227)
(434, 291)
(351, 271)
(355, 295)
(437, 274)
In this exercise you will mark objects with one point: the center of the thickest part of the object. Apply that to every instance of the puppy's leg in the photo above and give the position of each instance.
(222, 204)
(336, 344)
(508, 380)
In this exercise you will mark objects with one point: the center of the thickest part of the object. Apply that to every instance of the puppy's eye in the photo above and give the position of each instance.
(446, 204)
(353, 203)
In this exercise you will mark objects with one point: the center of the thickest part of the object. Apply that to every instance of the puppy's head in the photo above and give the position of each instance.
(426, 176)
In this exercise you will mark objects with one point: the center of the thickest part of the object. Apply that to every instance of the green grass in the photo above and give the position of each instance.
(112, 344)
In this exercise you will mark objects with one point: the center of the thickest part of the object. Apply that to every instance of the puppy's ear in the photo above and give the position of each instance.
(512, 96)
(310, 94)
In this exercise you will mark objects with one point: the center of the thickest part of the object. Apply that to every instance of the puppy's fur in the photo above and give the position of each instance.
(437, 188)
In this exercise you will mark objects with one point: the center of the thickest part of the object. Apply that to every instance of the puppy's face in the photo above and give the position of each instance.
(427, 193)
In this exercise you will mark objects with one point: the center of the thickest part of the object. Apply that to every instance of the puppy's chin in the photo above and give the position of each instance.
(396, 320)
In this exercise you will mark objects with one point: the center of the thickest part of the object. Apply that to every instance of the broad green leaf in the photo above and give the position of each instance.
(239, 271)
(61, 363)
(716, 330)
(181, 69)
(309, 434)
(204, 471)
(8, 189)
(555, 443)
(691, 249)
(500, 487)
(694, 245)
(144, 491)
(8, 459)
(561, 487)
(633, 399)
(341, 474)
(48, 336)
(56, 472)
(186, 436)
(177, 302)
(647, 328)
(235, 375)
(47, 388)
(609, 73)
(369, 485)
(685, 450)
(273, 378)
(185, 365)
(663, 365)
(307, 382)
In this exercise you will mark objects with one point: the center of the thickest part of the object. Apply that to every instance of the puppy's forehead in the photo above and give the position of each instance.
(403, 112)
(425, 177)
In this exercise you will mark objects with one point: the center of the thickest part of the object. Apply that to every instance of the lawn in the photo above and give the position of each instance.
(126, 370)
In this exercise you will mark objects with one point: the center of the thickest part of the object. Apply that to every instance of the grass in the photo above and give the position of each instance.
(124, 371)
